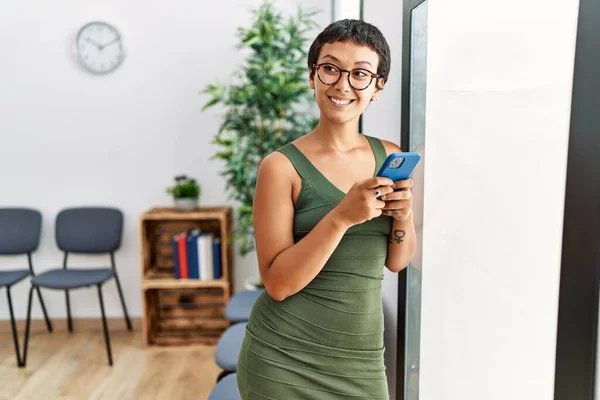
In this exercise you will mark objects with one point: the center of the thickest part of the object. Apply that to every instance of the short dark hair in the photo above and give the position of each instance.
(358, 31)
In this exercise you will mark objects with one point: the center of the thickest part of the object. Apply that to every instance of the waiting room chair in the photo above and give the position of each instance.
(226, 389)
(19, 235)
(83, 230)
(240, 305)
(228, 349)
(237, 312)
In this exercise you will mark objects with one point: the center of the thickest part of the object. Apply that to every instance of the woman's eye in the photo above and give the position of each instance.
(360, 74)
(329, 68)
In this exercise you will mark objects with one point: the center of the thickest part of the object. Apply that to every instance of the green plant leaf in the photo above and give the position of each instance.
(185, 187)
(267, 104)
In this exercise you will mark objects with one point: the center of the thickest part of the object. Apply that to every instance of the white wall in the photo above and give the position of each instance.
(70, 138)
(382, 120)
(498, 109)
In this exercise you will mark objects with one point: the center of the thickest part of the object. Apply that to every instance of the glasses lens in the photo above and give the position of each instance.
(328, 74)
(360, 79)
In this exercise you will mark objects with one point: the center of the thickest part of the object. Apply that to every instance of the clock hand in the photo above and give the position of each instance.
(99, 46)
(111, 42)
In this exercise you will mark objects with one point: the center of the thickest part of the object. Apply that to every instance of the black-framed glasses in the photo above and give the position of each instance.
(358, 78)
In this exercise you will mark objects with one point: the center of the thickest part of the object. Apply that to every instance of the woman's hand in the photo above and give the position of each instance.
(398, 204)
(361, 203)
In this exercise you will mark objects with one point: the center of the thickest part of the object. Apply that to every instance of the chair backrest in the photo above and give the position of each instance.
(20, 230)
(89, 229)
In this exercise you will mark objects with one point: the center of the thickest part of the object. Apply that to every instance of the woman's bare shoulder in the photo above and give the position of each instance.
(390, 147)
(276, 161)
(276, 166)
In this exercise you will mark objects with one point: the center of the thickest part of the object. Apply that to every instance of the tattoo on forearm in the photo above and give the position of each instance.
(398, 236)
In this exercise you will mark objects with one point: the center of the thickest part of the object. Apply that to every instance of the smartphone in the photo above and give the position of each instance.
(399, 166)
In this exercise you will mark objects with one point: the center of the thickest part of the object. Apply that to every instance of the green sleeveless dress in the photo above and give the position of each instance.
(326, 341)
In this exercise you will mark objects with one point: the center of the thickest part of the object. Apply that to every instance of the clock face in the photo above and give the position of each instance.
(99, 47)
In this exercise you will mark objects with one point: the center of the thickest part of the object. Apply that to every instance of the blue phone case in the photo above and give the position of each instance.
(399, 166)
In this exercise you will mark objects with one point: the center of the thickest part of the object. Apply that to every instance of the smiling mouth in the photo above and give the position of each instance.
(340, 102)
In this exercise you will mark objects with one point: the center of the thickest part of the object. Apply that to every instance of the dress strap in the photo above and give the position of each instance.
(303, 166)
(378, 150)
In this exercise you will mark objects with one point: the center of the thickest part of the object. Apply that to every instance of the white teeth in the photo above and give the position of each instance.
(340, 102)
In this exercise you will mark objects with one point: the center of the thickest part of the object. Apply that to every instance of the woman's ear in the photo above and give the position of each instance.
(378, 89)
(379, 84)
(311, 78)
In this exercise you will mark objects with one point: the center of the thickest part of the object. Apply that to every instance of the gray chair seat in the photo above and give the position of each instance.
(226, 389)
(72, 278)
(228, 348)
(11, 277)
(240, 305)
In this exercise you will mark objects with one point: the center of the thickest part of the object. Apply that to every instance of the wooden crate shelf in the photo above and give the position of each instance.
(172, 283)
(183, 311)
(184, 316)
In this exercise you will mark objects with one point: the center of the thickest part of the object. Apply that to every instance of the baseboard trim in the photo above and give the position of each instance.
(79, 324)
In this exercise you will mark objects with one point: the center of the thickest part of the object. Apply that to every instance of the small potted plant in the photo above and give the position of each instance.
(185, 192)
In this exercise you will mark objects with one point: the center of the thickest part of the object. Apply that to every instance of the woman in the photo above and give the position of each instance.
(325, 227)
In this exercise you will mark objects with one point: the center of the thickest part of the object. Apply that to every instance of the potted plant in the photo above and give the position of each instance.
(186, 192)
(267, 104)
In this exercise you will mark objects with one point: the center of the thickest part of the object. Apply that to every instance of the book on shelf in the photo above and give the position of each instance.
(197, 255)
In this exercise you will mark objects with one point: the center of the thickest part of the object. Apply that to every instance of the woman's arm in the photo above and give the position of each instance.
(402, 242)
(285, 267)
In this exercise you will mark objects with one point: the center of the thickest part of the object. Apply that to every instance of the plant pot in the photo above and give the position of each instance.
(186, 203)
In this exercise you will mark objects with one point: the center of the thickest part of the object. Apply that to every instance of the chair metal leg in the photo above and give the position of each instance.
(127, 320)
(48, 323)
(27, 326)
(106, 337)
(69, 321)
(223, 374)
(14, 327)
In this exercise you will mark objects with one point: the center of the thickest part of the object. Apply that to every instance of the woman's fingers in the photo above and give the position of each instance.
(404, 184)
(400, 195)
(397, 204)
(375, 182)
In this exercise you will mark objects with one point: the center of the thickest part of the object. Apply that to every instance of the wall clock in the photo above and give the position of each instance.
(99, 47)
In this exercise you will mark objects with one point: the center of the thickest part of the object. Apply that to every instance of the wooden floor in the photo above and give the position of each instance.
(74, 366)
